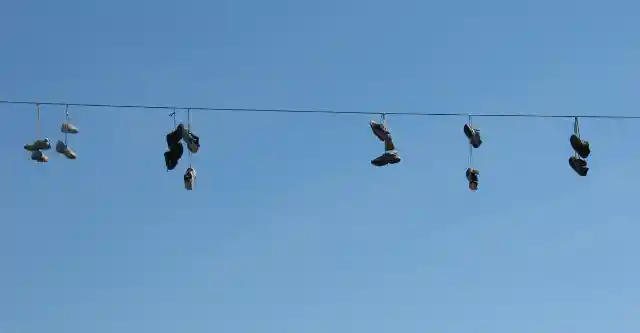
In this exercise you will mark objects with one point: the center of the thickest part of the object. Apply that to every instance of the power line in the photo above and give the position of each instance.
(424, 114)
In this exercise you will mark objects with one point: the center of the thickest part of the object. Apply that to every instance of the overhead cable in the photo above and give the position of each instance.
(306, 111)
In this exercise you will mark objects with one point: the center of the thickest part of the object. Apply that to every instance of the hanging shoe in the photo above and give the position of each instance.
(173, 138)
(169, 162)
(192, 140)
(472, 174)
(193, 143)
(581, 147)
(183, 131)
(189, 179)
(44, 144)
(63, 149)
(468, 131)
(473, 178)
(579, 166)
(68, 128)
(473, 186)
(38, 156)
(473, 134)
(190, 174)
(389, 157)
(379, 130)
(173, 155)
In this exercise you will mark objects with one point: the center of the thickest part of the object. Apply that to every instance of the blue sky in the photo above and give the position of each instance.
(290, 228)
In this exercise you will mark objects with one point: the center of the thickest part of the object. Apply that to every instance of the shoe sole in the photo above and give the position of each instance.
(68, 155)
(35, 148)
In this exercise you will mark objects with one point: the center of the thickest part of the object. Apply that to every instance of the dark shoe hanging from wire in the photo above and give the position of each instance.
(390, 155)
(473, 178)
(379, 130)
(176, 150)
(581, 149)
(473, 134)
(173, 156)
(579, 166)
(175, 136)
(386, 159)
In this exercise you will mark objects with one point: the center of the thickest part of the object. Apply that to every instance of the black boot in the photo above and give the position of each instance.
(169, 162)
(172, 156)
(173, 138)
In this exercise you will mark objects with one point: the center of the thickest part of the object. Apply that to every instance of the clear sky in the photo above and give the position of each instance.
(290, 229)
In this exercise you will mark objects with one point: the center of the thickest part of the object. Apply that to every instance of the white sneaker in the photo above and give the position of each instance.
(68, 128)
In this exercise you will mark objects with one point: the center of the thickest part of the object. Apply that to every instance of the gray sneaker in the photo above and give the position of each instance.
(63, 149)
(43, 144)
(192, 140)
(189, 178)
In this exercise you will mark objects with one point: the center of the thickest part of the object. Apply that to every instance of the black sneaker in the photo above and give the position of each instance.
(386, 158)
(379, 130)
(472, 174)
(473, 186)
(579, 166)
(580, 146)
(473, 135)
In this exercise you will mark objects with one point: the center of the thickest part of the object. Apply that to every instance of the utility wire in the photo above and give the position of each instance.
(427, 114)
